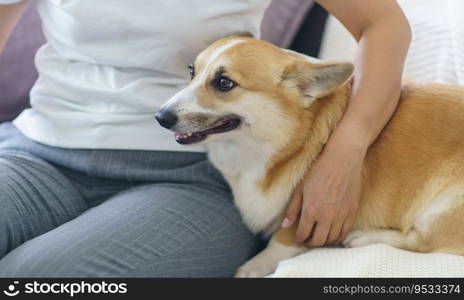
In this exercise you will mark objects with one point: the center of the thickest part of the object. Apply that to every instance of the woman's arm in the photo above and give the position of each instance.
(384, 35)
(329, 195)
(9, 17)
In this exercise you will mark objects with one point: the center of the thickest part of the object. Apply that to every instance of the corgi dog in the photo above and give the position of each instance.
(265, 114)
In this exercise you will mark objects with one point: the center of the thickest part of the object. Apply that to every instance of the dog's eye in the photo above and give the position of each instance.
(224, 84)
(191, 69)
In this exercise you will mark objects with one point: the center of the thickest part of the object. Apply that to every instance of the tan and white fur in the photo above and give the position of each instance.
(288, 105)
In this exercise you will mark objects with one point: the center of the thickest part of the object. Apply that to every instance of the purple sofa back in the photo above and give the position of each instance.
(283, 19)
(17, 72)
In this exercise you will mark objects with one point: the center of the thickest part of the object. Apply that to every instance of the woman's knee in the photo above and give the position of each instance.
(34, 198)
(30, 186)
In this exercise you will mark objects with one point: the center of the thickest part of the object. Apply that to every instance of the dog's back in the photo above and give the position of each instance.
(414, 174)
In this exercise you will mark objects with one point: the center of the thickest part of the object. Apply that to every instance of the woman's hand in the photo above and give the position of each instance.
(328, 197)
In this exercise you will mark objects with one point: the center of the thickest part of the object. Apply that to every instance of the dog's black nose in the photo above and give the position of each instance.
(166, 118)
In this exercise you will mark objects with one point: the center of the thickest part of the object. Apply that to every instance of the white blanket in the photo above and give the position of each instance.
(378, 260)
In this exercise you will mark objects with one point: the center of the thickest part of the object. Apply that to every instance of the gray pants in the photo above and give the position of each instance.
(114, 213)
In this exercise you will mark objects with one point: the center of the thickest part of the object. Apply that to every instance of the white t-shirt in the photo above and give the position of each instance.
(108, 66)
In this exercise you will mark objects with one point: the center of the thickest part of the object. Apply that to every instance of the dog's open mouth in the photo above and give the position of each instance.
(220, 127)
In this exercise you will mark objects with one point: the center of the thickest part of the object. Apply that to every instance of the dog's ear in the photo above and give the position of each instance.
(316, 80)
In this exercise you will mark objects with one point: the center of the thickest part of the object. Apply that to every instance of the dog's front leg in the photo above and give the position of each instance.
(280, 247)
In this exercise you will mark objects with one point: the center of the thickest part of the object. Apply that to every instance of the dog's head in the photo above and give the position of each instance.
(247, 86)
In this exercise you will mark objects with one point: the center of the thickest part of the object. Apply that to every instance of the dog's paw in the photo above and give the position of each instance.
(255, 269)
(251, 273)
(357, 238)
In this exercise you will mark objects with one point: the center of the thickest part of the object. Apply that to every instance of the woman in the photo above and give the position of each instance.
(90, 187)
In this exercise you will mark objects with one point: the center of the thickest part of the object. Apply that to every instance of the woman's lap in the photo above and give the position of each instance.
(154, 230)
(153, 221)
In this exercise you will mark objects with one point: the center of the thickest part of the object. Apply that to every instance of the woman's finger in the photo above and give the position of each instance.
(320, 234)
(305, 227)
(346, 228)
(294, 208)
(335, 231)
